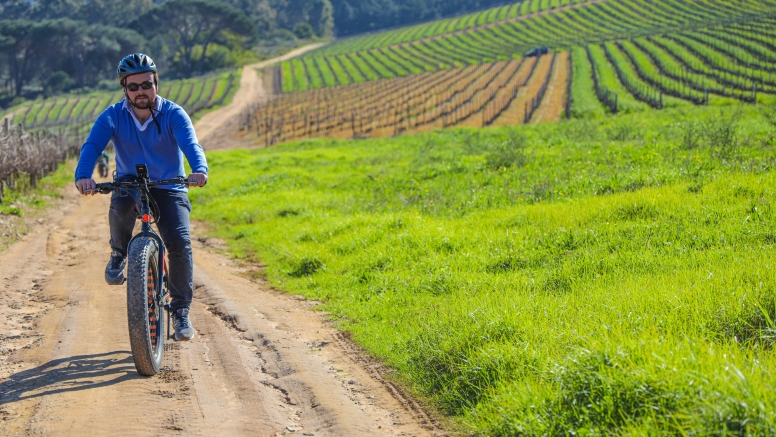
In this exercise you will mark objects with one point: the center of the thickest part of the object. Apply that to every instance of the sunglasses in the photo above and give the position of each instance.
(135, 86)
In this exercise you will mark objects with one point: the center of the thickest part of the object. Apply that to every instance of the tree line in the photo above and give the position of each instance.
(358, 16)
(51, 46)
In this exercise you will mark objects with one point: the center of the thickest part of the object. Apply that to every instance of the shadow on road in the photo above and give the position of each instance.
(80, 372)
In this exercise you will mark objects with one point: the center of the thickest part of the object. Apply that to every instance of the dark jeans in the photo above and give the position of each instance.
(173, 225)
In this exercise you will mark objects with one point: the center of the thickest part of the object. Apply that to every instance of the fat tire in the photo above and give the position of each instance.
(143, 255)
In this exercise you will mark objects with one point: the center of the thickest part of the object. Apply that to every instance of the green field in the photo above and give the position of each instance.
(603, 277)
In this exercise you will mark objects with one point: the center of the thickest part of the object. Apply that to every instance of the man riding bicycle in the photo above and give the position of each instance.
(147, 129)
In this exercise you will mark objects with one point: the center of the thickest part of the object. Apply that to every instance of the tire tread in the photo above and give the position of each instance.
(141, 251)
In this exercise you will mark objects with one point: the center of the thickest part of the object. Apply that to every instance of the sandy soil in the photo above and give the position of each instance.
(554, 102)
(263, 363)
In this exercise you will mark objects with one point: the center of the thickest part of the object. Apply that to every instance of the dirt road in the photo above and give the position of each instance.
(215, 129)
(263, 363)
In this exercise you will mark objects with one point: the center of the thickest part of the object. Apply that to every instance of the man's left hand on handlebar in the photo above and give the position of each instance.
(197, 180)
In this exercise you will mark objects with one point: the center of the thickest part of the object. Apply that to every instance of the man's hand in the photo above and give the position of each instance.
(197, 180)
(86, 184)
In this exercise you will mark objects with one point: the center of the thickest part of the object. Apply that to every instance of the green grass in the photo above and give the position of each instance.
(67, 111)
(219, 93)
(87, 107)
(347, 64)
(196, 92)
(300, 78)
(608, 77)
(597, 277)
(288, 77)
(628, 71)
(585, 103)
(316, 81)
(32, 114)
(26, 201)
(53, 115)
(221, 86)
(45, 109)
(208, 87)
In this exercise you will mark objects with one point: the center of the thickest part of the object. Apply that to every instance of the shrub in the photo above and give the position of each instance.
(57, 83)
(303, 30)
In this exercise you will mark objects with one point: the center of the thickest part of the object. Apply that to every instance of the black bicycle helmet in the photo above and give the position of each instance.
(134, 64)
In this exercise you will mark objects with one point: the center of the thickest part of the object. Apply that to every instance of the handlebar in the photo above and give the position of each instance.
(107, 187)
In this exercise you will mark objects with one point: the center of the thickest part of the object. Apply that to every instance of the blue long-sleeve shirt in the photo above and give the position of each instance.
(135, 144)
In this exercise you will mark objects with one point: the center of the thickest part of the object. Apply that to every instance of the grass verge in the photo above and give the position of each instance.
(609, 276)
(24, 203)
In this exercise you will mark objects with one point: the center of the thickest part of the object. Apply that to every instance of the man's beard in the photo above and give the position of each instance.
(142, 104)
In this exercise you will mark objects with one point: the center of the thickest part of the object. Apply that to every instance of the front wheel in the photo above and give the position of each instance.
(145, 316)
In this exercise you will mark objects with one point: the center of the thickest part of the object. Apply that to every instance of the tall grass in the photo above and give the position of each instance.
(586, 277)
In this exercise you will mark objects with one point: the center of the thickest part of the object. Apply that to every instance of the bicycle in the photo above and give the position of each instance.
(147, 272)
(102, 168)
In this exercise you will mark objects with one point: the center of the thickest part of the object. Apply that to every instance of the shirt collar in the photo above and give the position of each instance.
(142, 127)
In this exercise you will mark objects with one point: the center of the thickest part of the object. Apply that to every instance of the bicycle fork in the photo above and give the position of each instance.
(162, 297)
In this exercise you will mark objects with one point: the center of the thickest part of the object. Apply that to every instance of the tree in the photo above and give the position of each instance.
(303, 30)
(188, 23)
(316, 12)
(260, 12)
(16, 9)
(322, 18)
(112, 12)
(58, 82)
(55, 9)
(353, 16)
(21, 40)
(99, 51)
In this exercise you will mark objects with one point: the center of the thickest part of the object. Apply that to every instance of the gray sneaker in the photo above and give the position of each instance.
(183, 329)
(114, 271)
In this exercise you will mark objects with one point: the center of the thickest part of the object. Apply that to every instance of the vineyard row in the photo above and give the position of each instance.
(193, 95)
(499, 93)
(591, 23)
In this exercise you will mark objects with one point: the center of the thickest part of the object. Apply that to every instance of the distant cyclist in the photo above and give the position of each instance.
(102, 164)
(147, 129)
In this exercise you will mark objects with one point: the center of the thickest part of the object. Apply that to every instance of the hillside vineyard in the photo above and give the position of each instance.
(500, 93)
(469, 71)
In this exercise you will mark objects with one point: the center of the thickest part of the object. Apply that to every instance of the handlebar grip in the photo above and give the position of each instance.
(178, 180)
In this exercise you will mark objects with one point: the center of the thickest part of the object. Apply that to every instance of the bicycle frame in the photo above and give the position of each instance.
(147, 231)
